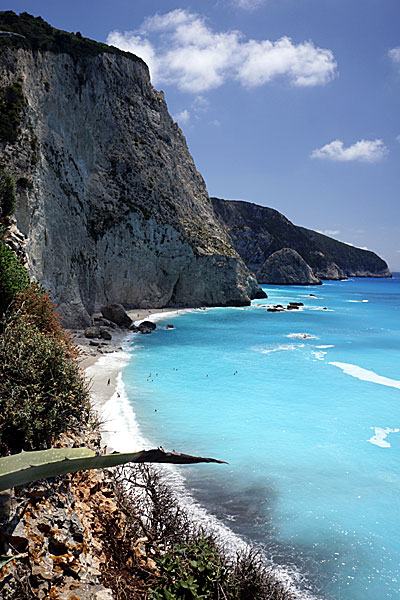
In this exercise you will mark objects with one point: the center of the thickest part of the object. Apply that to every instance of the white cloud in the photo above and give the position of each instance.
(304, 64)
(394, 54)
(329, 231)
(362, 151)
(248, 4)
(182, 49)
(398, 138)
(182, 117)
(131, 42)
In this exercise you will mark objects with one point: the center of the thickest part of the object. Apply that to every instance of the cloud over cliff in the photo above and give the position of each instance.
(182, 49)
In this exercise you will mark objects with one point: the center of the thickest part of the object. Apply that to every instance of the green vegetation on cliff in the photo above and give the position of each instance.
(12, 104)
(39, 35)
(14, 277)
(42, 392)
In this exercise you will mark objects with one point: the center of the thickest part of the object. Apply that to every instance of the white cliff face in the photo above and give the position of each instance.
(117, 210)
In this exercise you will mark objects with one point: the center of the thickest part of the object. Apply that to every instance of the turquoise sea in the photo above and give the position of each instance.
(305, 407)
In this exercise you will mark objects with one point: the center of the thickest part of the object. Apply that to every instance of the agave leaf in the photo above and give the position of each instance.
(26, 467)
(4, 560)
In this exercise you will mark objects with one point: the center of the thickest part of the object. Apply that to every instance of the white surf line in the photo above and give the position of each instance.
(318, 355)
(123, 433)
(280, 348)
(302, 336)
(381, 433)
(162, 316)
(365, 375)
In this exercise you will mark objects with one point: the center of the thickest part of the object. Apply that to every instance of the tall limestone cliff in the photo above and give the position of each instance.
(108, 196)
(257, 232)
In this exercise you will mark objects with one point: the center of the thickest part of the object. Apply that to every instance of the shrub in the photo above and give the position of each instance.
(14, 277)
(190, 563)
(193, 570)
(12, 104)
(42, 393)
(35, 302)
(7, 194)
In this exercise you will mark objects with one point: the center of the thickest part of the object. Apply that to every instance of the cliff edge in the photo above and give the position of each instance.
(108, 196)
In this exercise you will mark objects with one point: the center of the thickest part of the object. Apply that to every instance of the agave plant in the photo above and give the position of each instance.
(26, 467)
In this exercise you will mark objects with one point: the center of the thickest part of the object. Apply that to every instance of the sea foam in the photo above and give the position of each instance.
(366, 375)
(280, 348)
(302, 336)
(381, 433)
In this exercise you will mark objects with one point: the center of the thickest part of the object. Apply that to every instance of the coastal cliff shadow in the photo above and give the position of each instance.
(251, 512)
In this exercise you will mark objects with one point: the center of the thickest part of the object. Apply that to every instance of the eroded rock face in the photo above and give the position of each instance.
(286, 266)
(115, 210)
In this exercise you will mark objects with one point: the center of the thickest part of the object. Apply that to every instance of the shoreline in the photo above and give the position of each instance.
(113, 356)
(120, 432)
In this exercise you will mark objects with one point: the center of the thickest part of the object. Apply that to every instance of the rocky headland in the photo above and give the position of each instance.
(258, 232)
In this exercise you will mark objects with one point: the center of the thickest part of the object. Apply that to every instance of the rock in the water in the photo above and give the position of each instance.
(169, 326)
(145, 330)
(92, 332)
(286, 266)
(116, 313)
(147, 325)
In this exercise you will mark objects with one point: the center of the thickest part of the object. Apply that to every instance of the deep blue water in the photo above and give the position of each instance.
(309, 426)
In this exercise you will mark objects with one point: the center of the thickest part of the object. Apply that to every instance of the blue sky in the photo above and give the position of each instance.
(292, 104)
